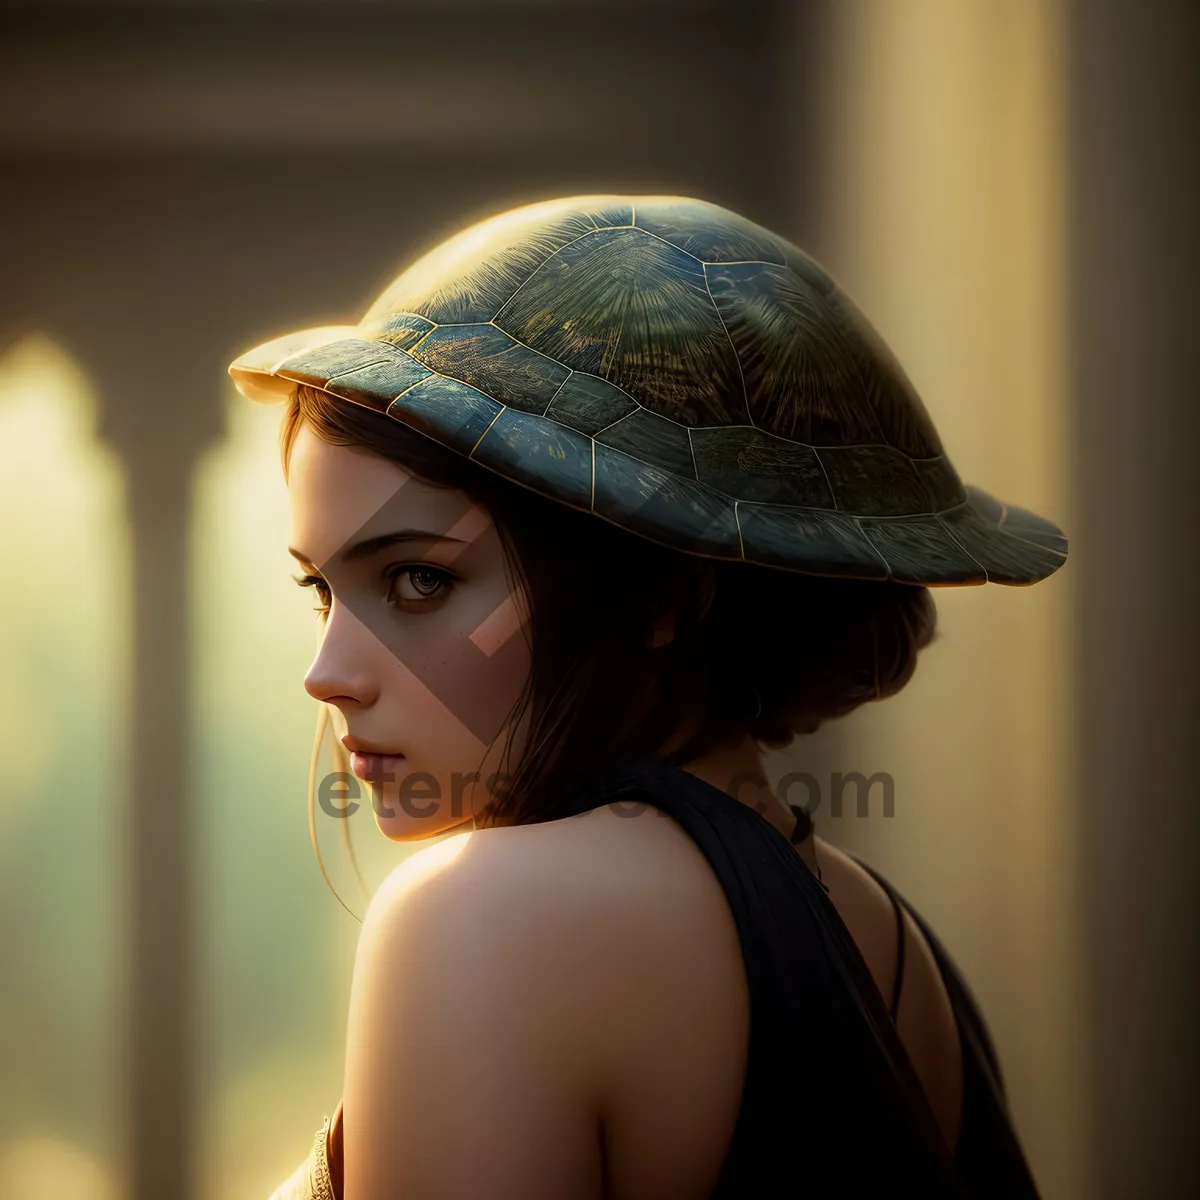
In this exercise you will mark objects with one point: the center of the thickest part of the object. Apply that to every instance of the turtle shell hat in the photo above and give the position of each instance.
(677, 370)
(765, 478)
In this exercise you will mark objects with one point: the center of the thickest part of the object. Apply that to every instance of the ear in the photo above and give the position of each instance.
(698, 583)
(662, 632)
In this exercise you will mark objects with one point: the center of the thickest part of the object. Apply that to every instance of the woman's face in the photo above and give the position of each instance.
(424, 647)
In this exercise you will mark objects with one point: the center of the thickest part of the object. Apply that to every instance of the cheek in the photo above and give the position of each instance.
(450, 704)
(457, 674)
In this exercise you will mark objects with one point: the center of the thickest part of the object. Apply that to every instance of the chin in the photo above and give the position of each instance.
(404, 829)
(414, 823)
(426, 801)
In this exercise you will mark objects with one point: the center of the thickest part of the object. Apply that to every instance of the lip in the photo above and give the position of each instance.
(369, 761)
(371, 767)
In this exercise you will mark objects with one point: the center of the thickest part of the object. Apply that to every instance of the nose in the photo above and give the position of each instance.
(341, 672)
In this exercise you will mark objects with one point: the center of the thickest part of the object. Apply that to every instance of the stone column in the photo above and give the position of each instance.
(159, 414)
(943, 172)
(1134, 207)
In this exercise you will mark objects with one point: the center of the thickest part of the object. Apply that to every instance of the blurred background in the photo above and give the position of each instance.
(1005, 187)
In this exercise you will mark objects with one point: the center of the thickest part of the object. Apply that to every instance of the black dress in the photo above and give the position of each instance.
(831, 1105)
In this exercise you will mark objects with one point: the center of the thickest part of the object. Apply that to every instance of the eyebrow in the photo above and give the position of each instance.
(365, 549)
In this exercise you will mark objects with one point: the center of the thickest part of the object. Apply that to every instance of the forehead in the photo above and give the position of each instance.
(344, 494)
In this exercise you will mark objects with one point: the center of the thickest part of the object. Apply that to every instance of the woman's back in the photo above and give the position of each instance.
(682, 1050)
(792, 1029)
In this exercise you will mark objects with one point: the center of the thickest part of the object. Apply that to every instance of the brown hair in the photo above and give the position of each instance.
(774, 653)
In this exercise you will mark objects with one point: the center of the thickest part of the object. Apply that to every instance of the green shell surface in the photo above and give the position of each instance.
(680, 371)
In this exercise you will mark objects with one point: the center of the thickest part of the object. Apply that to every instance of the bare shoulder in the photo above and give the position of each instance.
(602, 880)
(583, 920)
(543, 1004)
(509, 911)
(476, 1044)
(559, 917)
(572, 864)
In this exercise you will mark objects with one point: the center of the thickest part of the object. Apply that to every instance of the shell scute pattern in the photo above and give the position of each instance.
(1029, 527)
(589, 403)
(874, 481)
(838, 540)
(373, 382)
(402, 330)
(748, 464)
(681, 371)
(550, 458)
(942, 484)
(451, 412)
(693, 230)
(610, 212)
(468, 277)
(636, 311)
(802, 379)
(318, 365)
(1007, 558)
(487, 358)
(668, 509)
(909, 547)
(653, 439)
(901, 413)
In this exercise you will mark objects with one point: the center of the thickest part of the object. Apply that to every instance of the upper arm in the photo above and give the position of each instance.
(929, 1029)
(466, 1071)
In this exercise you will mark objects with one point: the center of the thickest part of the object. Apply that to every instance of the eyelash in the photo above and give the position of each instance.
(446, 581)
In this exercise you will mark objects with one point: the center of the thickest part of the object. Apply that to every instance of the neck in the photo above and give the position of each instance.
(737, 768)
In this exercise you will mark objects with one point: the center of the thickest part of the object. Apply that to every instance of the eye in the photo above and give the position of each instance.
(315, 581)
(425, 586)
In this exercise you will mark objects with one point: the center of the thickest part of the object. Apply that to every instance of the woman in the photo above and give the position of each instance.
(680, 991)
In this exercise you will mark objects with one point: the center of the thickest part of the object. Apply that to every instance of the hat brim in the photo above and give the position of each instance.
(978, 540)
